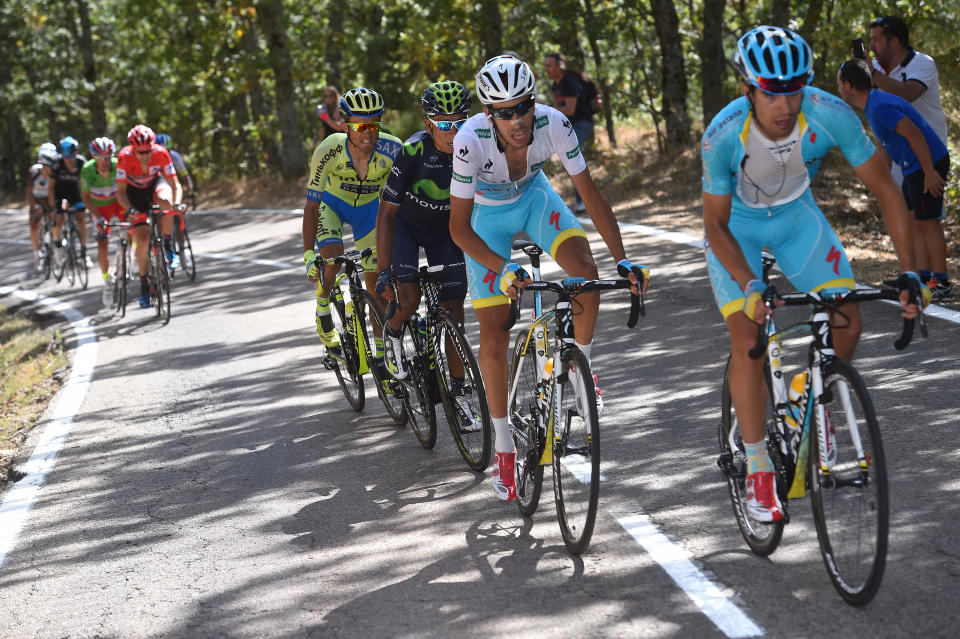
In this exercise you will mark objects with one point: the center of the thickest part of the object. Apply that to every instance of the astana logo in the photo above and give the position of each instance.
(430, 189)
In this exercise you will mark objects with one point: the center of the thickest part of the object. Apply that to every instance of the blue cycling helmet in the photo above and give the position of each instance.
(163, 140)
(774, 59)
(68, 146)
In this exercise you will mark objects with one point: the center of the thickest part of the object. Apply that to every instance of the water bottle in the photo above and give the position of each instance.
(794, 396)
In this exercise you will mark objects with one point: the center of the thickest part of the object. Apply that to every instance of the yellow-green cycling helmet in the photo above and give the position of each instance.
(446, 97)
(360, 102)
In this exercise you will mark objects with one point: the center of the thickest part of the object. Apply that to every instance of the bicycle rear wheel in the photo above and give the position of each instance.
(576, 453)
(70, 263)
(526, 424)
(381, 376)
(58, 257)
(348, 368)
(763, 538)
(421, 410)
(185, 250)
(849, 501)
(46, 253)
(466, 409)
(80, 261)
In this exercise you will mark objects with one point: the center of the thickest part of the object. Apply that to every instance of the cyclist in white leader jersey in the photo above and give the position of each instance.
(498, 188)
(759, 154)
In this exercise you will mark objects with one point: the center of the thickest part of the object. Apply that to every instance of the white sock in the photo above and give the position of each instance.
(587, 350)
(504, 441)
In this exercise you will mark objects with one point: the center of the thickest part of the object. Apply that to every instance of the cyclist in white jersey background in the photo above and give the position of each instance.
(498, 188)
(759, 155)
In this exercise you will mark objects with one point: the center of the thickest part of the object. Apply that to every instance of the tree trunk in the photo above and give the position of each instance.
(14, 151)
(713, 65)
(334, 50)
(272, 21)
(780, 13)
(373, 70)
(258, 105)
(599, 77)
(492, 28)
(673, 75)
(98, 113)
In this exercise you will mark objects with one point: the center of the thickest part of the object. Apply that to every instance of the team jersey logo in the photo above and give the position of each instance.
(465, 179)
(483, 133)
(540, 122)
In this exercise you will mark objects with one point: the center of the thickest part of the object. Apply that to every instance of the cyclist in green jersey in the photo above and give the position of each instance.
(98, 188)
(346, 174)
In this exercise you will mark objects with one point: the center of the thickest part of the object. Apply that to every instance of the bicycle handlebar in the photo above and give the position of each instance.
(858, 295)
(573, 286)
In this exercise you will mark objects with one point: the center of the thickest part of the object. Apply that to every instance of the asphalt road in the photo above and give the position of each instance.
(214, 481)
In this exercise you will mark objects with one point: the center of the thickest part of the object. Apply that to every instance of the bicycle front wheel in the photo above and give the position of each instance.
(421, 410)
(120, 280)
(526, 424)
(185, 249)
(161, 285)
(347, 367)
(80, 261)
(70, 261)
(381, 376)
(763, 538)
(464, 401)
(576, 452)
(848, 488)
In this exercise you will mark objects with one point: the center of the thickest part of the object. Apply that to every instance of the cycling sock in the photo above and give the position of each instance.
(924, 274)
(504, 441)
(940, 276)
(587, 350)
(378, 347)
(144, 286)
(758, 461)
(167, 245)
(323, 314)
(105, 276)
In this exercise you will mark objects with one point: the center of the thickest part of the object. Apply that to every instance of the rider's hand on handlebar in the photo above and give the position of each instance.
(753, 305)
(631, 271)
(909, 305)
(310, 261)
(512, 279)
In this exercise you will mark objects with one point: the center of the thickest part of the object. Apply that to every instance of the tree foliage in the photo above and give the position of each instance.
(235, 81)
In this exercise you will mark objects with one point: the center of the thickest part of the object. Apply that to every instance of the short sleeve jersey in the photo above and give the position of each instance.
(884, 111)
(67, 180)
(921, 68)
(102, 190)
(419, 182)
(38, 181)
(826, 122)
(130, 171)
(332, 171)
(480, 168)
(178, 164)
(571, 87)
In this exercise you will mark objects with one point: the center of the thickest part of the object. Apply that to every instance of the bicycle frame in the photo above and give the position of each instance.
(351, 273)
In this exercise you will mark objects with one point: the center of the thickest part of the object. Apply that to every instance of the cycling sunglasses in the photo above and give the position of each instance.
(782, 87)
(507, 113)
(447, 125)
(363, 126)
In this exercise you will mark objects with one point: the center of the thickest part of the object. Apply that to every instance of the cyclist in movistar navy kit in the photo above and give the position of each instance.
(346, 174)
(759, 155)
(65, 185)
(414, 213)
(498, 188)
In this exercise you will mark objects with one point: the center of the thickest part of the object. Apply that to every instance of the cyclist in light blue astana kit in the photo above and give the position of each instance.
(498, 188)
(759, 155)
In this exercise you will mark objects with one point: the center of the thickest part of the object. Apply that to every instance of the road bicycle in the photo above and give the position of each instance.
(351, 308)
(45, 246)
(158, 276)
(827, 442)
(121, 271)
(552, 404)
(73, 262)
(434, 346)
(182, 240)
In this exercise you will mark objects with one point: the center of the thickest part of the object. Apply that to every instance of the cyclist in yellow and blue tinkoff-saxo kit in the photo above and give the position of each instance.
(759, 155)
(346, 174)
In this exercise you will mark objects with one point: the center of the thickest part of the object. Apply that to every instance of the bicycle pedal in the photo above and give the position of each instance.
(329, 362)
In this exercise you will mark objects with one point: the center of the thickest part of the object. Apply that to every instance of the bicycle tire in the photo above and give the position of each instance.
(381, 377)
(161, 285)
(347, 369)
(120, 280)
(58, 266)
(185, 249)
(850, 503)
(473, 443)
(762, 538)
(527, 427)
(576, 453)
(46, 252)
(80, 263)
(69, 267)
(421, 411)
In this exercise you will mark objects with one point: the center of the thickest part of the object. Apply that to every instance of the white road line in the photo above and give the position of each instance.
(711, 601)
(18, 501)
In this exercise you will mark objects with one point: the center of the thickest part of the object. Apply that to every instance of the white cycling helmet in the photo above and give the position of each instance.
(505, 78)
(47, 154)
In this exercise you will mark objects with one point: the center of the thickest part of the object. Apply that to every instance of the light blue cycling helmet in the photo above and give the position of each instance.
(69, 146)
(774, 59)
(163, 140)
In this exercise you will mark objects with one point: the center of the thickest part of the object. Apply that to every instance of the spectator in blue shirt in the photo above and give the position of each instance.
(916, 148)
